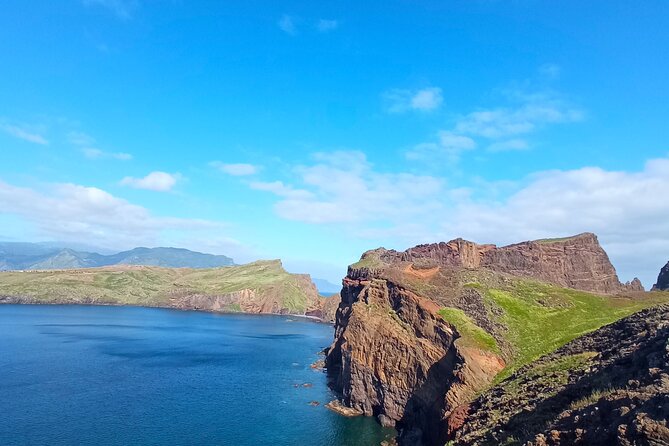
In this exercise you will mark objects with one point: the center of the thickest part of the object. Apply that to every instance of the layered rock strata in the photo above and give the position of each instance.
(395, 357)
(577, 262)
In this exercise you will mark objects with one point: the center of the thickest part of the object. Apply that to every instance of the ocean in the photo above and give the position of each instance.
(98, 375)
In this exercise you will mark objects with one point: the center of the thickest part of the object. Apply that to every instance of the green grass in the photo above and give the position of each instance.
(591, 399)
(371, 260)
(155, 286)
(472, 334)
(557, 371)
(554, 240)
(541, 317)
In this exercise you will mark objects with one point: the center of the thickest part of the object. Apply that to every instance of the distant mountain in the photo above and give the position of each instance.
(31, 256)
(326, 287)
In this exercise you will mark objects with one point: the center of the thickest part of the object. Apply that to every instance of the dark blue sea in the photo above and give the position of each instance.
(73, 375)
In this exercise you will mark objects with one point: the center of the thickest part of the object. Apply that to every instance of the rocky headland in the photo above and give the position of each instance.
(420, 333)
(262, 287)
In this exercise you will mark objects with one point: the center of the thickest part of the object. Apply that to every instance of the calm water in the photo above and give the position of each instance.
(121, 376)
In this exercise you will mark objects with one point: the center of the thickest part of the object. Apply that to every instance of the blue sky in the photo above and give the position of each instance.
(313, 131)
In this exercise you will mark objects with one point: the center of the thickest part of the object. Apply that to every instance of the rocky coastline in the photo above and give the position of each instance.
(400, 355)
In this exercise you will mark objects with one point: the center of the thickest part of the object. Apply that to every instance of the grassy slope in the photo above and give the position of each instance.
(472, 334)
(152, 285)
(539, 318)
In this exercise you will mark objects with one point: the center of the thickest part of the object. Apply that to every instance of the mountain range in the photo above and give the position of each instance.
(38, 256)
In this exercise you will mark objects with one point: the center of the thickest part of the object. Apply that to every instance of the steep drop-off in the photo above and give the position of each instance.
(419, 333)
(259, 287)
(577, 262)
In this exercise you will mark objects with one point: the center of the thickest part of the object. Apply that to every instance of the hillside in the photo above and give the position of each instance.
(608, 387)
(34, 256)
(421, 332)
(259, 287)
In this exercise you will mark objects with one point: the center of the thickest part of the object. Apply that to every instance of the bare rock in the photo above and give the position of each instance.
(663, 279)
(338, 407)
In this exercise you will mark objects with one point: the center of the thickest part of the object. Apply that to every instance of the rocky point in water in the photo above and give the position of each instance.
(663, 279)
(419, 333)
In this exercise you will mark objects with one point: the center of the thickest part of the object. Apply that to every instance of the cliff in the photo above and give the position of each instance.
(396, 358)
(608, 387)
(662, 279)
(577, 262)
(259, 287)
(419, 333)
(325, 308)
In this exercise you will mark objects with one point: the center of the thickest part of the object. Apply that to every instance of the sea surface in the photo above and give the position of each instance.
(73, 375)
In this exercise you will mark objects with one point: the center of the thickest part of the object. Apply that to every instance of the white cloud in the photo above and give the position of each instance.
(501, 125)
(92, 153)
(401, 101)
(342, 187)
(24, 134)
(325, 25)
(123, 9)
(156, 181)
(80, 139)
(509, 145)
(626, 209)
(451, 146)
(535, 111)
(70, 212)
(280, 189)
(287, 25)
(87, 143)
(235, 169)
(427, 99)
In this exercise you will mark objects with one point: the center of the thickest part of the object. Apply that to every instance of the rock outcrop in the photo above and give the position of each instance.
(394, 357)
(419, 333)
(663, 279)
(608, 387)
(325, 308)
(577, 262)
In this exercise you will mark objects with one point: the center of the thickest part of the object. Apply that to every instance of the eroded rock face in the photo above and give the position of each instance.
(395, 358)
(577, 262)
(325, 308)
(663, 279)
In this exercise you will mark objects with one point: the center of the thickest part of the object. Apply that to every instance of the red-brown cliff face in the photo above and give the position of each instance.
(395, 357)
(577, 262)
